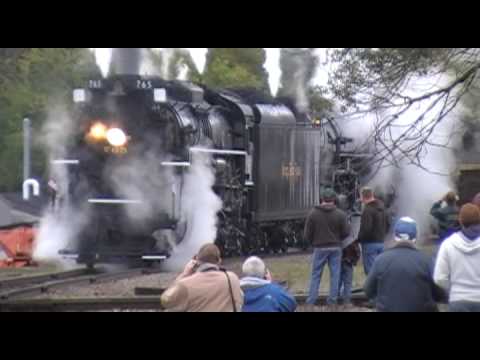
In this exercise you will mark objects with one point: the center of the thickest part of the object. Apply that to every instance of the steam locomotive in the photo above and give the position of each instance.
(138, 137)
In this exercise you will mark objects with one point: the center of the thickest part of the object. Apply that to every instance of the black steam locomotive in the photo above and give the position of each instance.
(138, 137)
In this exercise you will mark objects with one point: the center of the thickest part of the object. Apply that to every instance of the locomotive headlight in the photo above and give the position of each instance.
(116, 137)
(98, 131)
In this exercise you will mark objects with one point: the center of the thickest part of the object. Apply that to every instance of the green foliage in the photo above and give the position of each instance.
(384, 81)
(31, 80)
(236, 67)
(383, 70)
(11, 161)
(319, 105)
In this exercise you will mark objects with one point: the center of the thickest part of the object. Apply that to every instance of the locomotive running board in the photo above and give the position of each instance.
(154, 257)
(114, 201)
(176, 164)
(219, 152)
(70, 256)
(66, 162)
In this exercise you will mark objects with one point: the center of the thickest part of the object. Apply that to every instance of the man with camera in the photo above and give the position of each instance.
(445, 211)
(204, 286)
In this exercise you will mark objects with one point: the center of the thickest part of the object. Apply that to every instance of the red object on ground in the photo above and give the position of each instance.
(17, 245)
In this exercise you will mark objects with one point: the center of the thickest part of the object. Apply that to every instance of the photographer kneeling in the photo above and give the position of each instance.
(204, 287)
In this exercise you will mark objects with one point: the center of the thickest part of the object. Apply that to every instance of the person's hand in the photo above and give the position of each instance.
(189, 268)
(268, 276)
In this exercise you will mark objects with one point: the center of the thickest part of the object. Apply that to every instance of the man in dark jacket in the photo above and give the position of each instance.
(401, 278)
(326, 227)
(447, 216)
(261, 294)
(374, 226)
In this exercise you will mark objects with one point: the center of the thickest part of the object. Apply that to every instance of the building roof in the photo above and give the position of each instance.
(15, 211)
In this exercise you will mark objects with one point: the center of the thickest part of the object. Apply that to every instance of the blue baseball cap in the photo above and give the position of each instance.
(406, 229)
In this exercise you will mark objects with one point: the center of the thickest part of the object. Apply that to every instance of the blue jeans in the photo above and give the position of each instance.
(370, 251)
(463, 306)
(346, 280)
(320, 257)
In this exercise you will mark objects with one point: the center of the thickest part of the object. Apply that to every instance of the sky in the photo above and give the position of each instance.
(199, 57)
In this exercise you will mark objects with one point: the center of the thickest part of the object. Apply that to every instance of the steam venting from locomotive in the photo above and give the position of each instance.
(200, 206)
(415, 188)
(144, 179)
(55, 231)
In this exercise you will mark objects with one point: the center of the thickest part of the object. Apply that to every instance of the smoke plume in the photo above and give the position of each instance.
(298, 69)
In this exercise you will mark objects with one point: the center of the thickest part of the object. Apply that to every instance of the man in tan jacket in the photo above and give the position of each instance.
(204, 287)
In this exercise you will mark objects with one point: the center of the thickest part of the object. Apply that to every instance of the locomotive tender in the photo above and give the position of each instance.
(270, 161)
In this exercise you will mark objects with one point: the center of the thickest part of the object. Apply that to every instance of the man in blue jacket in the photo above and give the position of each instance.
(261, 294)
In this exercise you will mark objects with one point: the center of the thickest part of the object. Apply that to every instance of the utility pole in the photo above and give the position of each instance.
(27, 148)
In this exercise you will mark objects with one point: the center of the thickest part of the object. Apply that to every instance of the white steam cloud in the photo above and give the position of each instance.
(104, 58)
(416, 188)
(272, 65)
(59, 227)
(143, 178)
(200, 206)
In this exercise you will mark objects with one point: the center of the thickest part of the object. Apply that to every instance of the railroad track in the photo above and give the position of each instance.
(38, 279)
(271, 255)
(138, 303)
(37, 285)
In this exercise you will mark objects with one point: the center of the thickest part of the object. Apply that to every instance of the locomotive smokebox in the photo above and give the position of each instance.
(126, 61)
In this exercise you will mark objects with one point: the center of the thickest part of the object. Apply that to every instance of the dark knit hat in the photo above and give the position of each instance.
(469, 215)
(329, 195)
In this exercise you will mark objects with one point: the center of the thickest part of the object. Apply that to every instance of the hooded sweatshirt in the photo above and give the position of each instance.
(374, 224)
(457, 269)
(326, 227)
